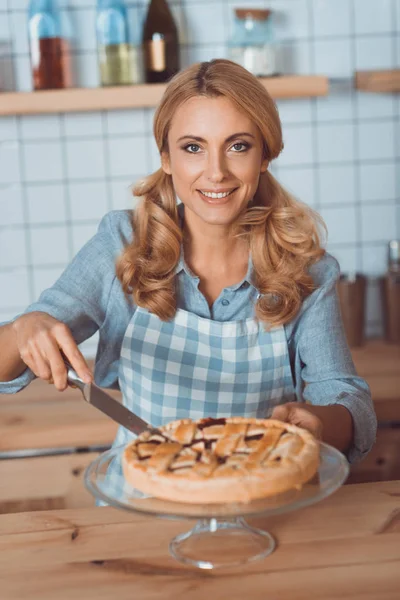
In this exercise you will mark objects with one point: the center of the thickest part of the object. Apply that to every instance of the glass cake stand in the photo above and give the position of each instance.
(221, 537)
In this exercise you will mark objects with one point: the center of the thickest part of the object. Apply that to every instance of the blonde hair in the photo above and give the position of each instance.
(282, 233)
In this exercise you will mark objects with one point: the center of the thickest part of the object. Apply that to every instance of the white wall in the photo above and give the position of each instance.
(59, 174)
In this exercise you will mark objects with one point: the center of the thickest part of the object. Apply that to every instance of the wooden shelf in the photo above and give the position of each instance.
(378, 81)
(138, 96)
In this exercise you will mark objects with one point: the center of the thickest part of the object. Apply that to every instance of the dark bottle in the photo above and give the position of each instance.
(160, 43)
(49, 47)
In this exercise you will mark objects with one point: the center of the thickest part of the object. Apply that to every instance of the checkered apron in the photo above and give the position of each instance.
(194, 367)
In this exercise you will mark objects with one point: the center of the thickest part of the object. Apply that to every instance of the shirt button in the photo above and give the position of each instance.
(225, 302)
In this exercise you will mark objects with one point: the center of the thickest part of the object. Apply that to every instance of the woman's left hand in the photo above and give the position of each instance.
(301, 415)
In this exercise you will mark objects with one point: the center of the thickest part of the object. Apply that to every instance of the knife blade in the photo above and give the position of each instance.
(106, 403)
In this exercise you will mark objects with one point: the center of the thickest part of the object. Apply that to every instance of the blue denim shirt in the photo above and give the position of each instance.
(88, 297)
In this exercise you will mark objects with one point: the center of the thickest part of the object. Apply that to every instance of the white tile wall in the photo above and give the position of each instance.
(34, 127)
(373, 18)
(333, 57)
(300, 182)
(376, 140)
(11, 205)
(83, 124)
(12, 248)
(42, 161)
(88, 200)
(335, 142)
(337, 184)
(298, 146)
(121, 195)
(379, 223)
(378, 182)
(46, 204)
(374, 52)
(128, 156)
(85, 159)
(10, 166)
(59, 174)
(50, 245)
(14, 290)
(332, 18)
(341, 222)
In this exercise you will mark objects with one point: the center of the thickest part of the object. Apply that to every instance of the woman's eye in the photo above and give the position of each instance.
(193, 148)
(239, 147)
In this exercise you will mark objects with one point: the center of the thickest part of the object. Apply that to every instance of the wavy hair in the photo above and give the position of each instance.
(283, 234)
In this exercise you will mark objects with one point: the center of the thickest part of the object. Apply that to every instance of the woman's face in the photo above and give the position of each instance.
(215, 158)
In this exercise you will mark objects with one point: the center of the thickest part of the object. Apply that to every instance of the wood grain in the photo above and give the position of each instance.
(44, 483)
(347, 546)
(53, 425)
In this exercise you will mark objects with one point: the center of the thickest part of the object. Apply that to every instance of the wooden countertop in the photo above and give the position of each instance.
(347, 546)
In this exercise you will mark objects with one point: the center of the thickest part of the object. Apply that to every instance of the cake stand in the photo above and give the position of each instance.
(221, 537)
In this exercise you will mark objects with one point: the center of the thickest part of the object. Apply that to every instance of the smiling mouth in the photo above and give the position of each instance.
(216, 195)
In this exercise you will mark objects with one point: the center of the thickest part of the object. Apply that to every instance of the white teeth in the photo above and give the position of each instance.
(215, 196)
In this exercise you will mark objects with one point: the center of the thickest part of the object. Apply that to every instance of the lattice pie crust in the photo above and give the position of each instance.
(234, 459)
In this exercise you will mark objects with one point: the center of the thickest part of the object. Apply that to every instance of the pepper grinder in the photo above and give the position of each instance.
(391, 294)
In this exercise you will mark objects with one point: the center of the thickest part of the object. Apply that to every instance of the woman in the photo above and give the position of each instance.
(224, 304)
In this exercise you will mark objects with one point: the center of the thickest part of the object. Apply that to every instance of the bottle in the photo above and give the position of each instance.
(251, 44)
(117, 56)
(160, 43)
(50, 51)
(391, 294)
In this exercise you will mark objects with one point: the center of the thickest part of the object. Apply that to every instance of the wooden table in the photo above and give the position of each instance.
(345, 547)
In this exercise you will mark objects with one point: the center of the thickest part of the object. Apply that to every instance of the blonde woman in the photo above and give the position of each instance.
(221, 304)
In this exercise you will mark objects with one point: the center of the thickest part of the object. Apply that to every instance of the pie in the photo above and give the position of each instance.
(232, 459)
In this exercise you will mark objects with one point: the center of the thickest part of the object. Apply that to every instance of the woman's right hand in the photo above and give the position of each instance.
(40, 340)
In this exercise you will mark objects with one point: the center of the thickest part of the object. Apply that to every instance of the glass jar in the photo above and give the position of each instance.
(49, 46)
(251, 44)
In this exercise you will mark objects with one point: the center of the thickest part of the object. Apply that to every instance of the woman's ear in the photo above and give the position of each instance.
(264, 165)
(165, 163)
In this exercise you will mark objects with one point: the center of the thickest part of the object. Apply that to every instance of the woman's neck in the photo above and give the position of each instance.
(214, 250)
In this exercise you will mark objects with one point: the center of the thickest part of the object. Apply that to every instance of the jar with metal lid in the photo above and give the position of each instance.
(251, 44)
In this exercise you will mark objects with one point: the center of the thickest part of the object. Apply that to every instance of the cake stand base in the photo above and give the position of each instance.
(214, 543)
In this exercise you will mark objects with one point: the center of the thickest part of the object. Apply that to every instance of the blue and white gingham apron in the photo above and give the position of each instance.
(192, 367)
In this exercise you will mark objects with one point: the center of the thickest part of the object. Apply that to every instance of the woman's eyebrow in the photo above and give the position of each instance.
(228, 139)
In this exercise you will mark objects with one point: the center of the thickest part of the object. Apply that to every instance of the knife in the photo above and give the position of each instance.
(106, 403)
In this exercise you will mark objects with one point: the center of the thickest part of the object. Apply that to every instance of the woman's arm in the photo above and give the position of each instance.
(66, 314)
(324, 372)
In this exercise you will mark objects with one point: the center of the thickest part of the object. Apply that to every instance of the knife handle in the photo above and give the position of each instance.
(72, 377)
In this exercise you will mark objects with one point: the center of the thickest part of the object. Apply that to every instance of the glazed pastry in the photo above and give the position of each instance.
(233, 459)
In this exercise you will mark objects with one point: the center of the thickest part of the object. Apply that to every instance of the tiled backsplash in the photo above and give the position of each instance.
(60, 173)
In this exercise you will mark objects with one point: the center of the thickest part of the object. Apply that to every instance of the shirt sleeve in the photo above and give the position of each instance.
(80, 296)
(323, 360)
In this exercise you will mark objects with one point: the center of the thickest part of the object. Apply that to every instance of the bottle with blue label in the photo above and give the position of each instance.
(118, 60)
(50, 51)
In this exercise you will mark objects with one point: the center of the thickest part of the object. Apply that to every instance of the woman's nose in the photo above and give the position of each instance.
(216, 168)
